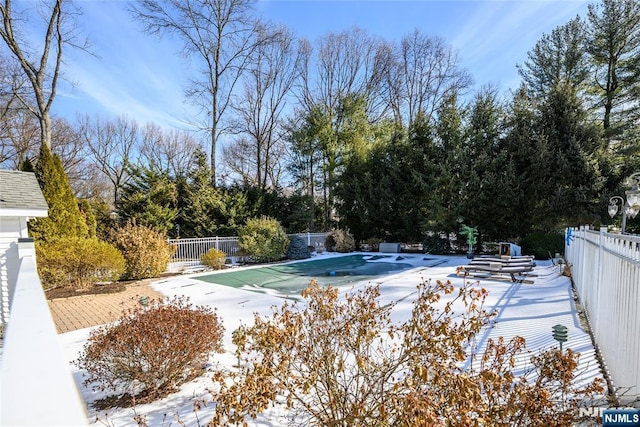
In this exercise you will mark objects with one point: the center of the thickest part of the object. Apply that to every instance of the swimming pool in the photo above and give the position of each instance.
(292, 278)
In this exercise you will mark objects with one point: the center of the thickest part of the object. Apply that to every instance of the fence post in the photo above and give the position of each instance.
(308, 239)
(581, 254)
(603, 230)
(599, 297)
(217, 243)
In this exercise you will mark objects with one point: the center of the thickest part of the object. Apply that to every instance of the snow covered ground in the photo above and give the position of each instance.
(525, 309)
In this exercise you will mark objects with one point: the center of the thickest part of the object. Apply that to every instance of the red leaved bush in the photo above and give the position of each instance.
(152, 349)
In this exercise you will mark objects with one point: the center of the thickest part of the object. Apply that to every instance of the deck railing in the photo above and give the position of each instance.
(606, 273)
(36, 386)
(189, 251)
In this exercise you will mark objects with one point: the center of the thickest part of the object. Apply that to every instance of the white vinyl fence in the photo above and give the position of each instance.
(189, 251)
(606, 273)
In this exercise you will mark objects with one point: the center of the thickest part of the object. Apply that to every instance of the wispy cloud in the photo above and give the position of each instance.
(144, 77)
(133, 73)
(497, 35)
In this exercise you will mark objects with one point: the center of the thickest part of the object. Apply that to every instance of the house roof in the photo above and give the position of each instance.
(20, 194)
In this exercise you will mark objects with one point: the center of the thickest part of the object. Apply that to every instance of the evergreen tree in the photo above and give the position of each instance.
(234, 211)
(65, 218)
(198, 201)
(427, 170)
(149, 199)
(486, 197)
(325, 140)
(570, 181)
(449, 138)
(370, 190)
(387, 194)
(558, 58)
(407, 184)
(523, 164)
(355, 199)
(614, 48)
(27, 166)
(307, 160)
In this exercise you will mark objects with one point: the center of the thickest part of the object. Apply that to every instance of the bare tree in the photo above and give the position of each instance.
(346, 66)
(18, 127)
(218, 35)
(241, 160)
(425, 71)
(19, 133)
(350, 62)
(172, 151)
(111, 145)
(41, 68)
(271, 72)
(67, 143)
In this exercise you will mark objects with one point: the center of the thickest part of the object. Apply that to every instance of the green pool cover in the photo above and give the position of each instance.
(292, 278)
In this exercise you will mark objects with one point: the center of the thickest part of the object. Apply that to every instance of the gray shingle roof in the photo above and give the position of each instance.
(20, 190)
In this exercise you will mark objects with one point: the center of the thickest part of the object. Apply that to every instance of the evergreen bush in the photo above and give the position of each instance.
(151, 350)
(340, 241)
(149, 197)
(298, 248)
(146, 251)
(263, 239)
(88, 216)
(64, 219)
(77, 262)
(214, 258)
(541, 245)
(436, 245)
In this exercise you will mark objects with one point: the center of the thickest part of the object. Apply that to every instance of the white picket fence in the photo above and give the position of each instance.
(189, 251)
(606, 273)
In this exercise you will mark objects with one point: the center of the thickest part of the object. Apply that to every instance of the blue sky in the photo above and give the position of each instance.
(143, 77)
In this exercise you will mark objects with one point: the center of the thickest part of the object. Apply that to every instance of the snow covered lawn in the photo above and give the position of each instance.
(527, 310)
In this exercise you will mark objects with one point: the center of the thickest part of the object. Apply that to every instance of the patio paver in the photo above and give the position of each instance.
(83, 311)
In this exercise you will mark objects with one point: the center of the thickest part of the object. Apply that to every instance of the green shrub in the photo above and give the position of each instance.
(298, 248)
(436, 245)
(490, 247)
(263, 239)
(78, 262)
(214, 258)
(340, 241)
(542, 244)
(151, 350)
(146, 251)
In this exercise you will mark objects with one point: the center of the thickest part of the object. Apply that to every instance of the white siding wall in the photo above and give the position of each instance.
(11, 229)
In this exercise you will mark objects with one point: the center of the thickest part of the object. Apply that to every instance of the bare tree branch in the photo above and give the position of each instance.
(219, 35)
(42, 69)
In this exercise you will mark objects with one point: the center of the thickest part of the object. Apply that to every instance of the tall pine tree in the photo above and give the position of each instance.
(570, 179)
